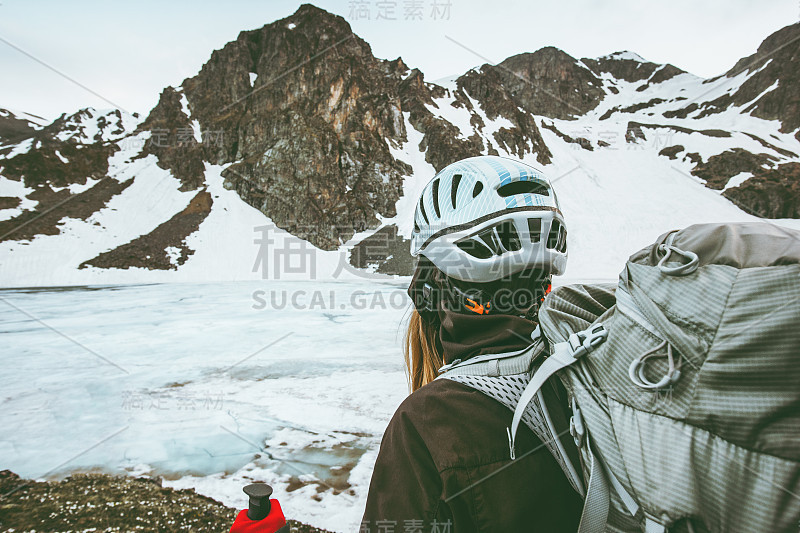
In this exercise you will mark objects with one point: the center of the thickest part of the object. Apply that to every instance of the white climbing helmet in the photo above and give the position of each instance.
(484, 218)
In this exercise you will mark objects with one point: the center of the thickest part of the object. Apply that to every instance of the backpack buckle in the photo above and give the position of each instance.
(576, 426)
(586, 341)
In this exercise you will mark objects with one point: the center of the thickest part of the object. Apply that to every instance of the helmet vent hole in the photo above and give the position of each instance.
(475, 248)
(492, 241)
(552, 237)
(557, 238)
(422, 210)
(535, 229)
(523, 187)
(477, 189)
(435, 193)
(454, 189)
(509, 238)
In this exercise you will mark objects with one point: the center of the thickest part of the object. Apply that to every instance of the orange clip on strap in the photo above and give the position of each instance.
(477, 308)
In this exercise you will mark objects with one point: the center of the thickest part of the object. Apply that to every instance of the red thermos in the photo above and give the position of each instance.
(263, 515)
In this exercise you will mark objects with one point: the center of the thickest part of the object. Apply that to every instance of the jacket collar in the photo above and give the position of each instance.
(464, 336)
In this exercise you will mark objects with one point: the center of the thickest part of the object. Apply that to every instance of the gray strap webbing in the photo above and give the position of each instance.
(651, 526)
(564, 354)
(561, 358)
(495, 365)
(598, 499)
(571, 471)
(624, 495)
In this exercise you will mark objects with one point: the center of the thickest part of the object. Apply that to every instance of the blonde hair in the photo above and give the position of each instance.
(423, 359)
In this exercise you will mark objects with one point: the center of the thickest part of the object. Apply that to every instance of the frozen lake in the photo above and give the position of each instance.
(207, 385)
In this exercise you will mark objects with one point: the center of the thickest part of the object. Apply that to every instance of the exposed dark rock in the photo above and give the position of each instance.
(442, 145)
(14, 129)
(173, 142)
(55, 206)
(151, 251)
(632, 108)
(309, 139)
(442, 141)
(665, 73)
(62, 153)
(386, 250)
(41, 164)
(548, 82)
(99, 502)
(73, 128)
(770, 193)
(9, 202)
(681, 113)
(634, 132)
(694, 157)
(765, 144)
(661, 75)
(722, 167)
(622, 69)
(680, 129)
(672, 151)
(488, 88)
(782, 50)
(581, 141)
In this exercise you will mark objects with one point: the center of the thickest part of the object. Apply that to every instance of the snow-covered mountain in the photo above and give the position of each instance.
(294, 152)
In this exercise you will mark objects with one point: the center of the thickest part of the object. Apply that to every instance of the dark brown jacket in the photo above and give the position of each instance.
(444, 459)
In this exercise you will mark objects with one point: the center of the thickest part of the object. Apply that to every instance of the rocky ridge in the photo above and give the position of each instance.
(314, 131)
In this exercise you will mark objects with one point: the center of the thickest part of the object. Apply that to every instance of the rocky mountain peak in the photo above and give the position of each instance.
(631, 67)
(69, 150)
(90, 125)
(624, 55)
(302, 111)
(16, 127)
(781, 45)
(766, 82)
(546, 82)
(303, 123)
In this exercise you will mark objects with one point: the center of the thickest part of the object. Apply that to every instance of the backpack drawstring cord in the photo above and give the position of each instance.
(684, 268)
(636, 371)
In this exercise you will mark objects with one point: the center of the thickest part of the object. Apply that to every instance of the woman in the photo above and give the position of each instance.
(488, 235)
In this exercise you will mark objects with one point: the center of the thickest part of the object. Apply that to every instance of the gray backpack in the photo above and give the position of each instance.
(683, 385)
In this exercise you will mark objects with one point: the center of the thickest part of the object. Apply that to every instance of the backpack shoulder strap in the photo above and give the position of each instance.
(494, 365)
(504, 377)
(564, 354)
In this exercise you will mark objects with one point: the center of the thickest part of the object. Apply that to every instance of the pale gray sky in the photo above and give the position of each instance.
(126, 52)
